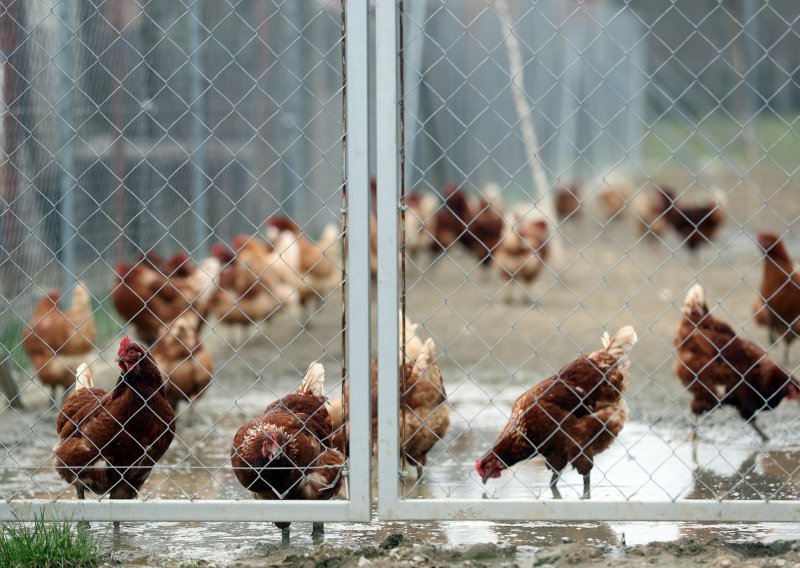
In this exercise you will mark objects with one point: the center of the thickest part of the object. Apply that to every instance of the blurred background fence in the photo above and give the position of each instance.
(636, 84)
(164, 126)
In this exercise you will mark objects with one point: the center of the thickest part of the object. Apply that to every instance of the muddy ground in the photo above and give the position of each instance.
(396, 550)
(687, 552)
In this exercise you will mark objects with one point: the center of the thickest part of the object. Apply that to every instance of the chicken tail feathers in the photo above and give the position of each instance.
(621, 344)
(695, 302)
(81, 297)
(413, 343)
(329, 236)
(314, 381)
(83, 378)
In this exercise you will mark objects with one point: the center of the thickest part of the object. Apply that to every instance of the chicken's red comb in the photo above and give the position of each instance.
(126, 341)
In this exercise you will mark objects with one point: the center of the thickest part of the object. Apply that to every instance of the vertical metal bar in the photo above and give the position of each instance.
(414, 28)
(14, 66)
(750, 30)
(199, 185)
(358, 271)
(388, 153)
(66, 154)
(293, 106)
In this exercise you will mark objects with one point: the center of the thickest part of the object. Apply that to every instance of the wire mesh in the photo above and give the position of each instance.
(172, 172)
(570, 168)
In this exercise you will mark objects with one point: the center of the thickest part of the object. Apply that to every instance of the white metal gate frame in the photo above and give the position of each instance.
(358, 505)
(391, 505)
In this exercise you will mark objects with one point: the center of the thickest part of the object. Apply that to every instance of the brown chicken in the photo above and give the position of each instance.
(241, 300)
(110, 441)
(568, 201)
(186, 364)
(720, 368)
(615, 192)
(319, 269)
(57, 341)
(179, 264)
(420, 224)
(425, 416)
(649, 215)
(275, 265)
(778, 307)
(695, 224)
(148, 299)
(282, 454)
(569, 418)
(452, 218)
(485, 227)
(521, 254)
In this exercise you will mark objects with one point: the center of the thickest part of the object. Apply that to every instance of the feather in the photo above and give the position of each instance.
(83, 378)
(695, 301)
(314, 381)
(413, 343)
(621, 344)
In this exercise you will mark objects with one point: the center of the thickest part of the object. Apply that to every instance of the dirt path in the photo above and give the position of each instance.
(395, 551)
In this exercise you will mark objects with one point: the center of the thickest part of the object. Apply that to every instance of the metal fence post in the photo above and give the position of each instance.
(199, 185)
(388, 159)
(66, 154)
(293, 105)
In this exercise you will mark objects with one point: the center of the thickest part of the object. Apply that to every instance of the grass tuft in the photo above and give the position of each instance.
(47, 544)
(11, 340)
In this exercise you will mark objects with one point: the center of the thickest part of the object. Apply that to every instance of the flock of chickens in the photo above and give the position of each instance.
(110, 441)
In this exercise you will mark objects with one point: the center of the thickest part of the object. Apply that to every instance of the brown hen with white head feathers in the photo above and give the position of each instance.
(282, 454)
(570, 417)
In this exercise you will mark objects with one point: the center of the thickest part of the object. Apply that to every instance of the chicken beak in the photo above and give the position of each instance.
(484, 478)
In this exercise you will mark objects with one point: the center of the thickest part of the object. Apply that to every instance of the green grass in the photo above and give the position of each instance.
(11, 341)
(47, 544)
(780, 137)
(106, 319)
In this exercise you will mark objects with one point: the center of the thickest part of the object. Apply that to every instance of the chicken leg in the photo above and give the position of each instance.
(556, 475)
(759, 431)
(693, 434)
(317, 532)
(285, 532)
(587, 486)
(79, 491)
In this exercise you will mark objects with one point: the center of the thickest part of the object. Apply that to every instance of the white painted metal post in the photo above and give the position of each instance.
(388, 160)
(199, 119)
(66, 154)
(359, 279)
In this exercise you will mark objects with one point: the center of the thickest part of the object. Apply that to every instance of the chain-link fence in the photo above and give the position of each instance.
(556, 169)
(177, 172)
(566, 169)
